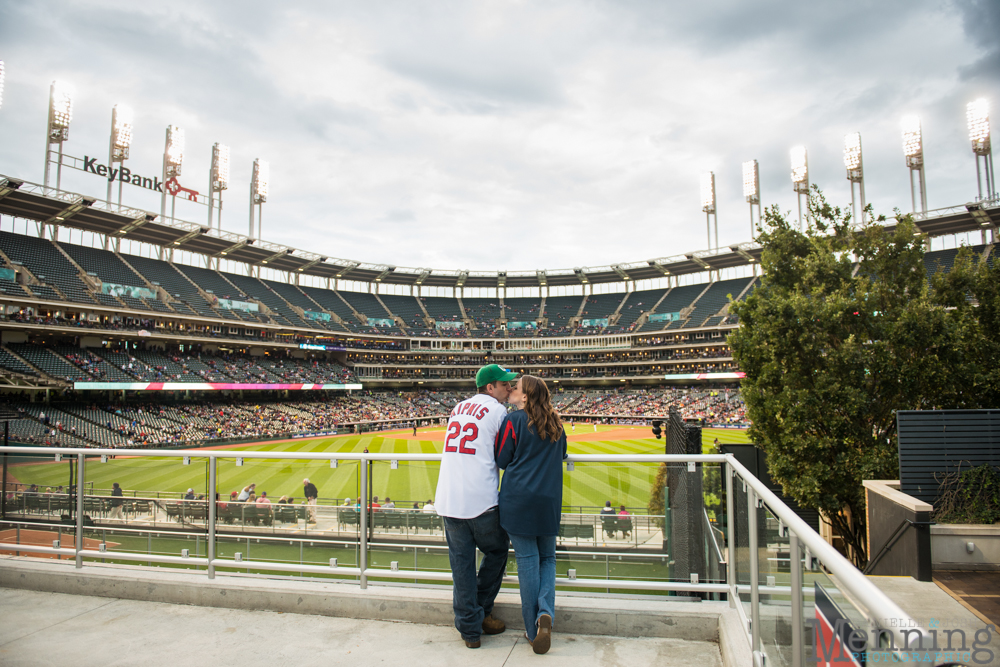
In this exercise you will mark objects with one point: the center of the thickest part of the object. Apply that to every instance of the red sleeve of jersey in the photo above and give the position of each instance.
(506, 442)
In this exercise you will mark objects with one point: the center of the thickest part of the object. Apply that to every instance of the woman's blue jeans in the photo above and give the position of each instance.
(536, 576)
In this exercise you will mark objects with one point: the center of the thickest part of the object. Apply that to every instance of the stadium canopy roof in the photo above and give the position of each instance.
(47, 205)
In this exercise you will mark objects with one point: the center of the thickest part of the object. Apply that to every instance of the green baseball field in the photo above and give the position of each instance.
(589, 485)
(586, 488)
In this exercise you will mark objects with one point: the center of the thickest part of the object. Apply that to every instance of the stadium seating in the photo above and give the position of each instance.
(406, 307)
(522, 310)
(213, 283)
(713, 300)
(331, 302)
(190, 301)
(49, 362)
(47, 263)
(635, 304)
(442, 308)
(484, 312)
(559, 310)
(281, 312)
(8, 360)
(105, 265)
(676, 300)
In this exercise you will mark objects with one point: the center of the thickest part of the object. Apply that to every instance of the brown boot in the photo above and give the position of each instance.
(473, 644)
(544, 637)
(493, 626)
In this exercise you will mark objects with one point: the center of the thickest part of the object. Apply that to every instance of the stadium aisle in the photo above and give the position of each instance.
(53, 628)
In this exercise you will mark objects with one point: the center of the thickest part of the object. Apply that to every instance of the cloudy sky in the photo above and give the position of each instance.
(505, 135)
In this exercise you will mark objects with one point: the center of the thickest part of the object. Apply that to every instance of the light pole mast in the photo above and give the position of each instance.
(121, 138)
(218, 179)
(978, 115)
(708, 203)
(751, 190)
(913, 151)
(57, 128)
(800, 179)
(855, 171)
(173, 159)
(258, 193)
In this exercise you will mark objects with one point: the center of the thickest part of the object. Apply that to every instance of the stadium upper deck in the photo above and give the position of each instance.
(57, 293)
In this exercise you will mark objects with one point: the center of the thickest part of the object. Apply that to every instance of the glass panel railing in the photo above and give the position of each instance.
(826, 608)
(739, 559)
(682, 528)
(35, 531)
(775, 610)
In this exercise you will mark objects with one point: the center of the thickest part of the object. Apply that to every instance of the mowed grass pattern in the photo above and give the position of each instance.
(589, 485)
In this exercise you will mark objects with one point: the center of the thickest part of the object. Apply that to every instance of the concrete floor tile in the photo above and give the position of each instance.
(56, 629)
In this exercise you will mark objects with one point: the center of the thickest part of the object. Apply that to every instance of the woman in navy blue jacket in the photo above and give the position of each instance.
(530, 448)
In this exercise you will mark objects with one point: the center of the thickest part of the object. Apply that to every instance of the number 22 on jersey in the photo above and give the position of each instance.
(470, 431)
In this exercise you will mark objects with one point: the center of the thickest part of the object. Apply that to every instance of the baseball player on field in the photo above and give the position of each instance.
(467, 498)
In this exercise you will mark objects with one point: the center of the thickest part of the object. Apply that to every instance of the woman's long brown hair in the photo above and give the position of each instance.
(538, 406)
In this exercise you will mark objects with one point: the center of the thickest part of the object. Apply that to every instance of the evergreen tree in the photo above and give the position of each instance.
(843, 330)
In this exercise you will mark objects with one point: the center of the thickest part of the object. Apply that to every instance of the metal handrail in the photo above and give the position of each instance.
(882, 612)
(903, 526)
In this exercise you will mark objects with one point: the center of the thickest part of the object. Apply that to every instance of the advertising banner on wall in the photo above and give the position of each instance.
(204, 386)
(522, 325)
(598, 322)
(127, 290)
(450, 325)
(8, 274)
(664, 317)
(311, 315)
(380, 322)
(232, 304)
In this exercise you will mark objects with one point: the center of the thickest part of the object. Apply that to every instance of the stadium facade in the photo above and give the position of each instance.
(664, 320)
(660, 321)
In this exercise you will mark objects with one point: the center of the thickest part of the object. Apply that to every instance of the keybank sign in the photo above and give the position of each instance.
(123, 174)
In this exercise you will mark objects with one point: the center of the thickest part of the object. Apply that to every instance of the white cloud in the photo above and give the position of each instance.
(504, 135)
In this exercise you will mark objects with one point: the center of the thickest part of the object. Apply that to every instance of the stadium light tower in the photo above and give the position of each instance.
(57, 130)
(121, 139)
(800, 177)
(708, 206)
(978, 114)
(751, 189)
(913, 150)
(258, 192)
(173, 159)
(855, 170)
(218, 179)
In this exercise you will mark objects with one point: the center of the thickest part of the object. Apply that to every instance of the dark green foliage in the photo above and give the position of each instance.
(655, 506)
(970, 497)
(831, 353)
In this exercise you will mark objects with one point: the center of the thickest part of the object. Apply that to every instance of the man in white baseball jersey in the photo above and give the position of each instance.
(467, 498)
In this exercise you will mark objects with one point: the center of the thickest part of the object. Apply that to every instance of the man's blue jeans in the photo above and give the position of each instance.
(472, 595)
(536, 576)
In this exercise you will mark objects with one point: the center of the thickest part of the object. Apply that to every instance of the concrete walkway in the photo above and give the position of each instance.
(934, 609)
(58, 629)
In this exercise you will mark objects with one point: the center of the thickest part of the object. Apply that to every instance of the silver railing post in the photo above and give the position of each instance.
(213, 507)
(80, 463)
(363, 522)
(754, 573)
(798, 646)
(734, 599)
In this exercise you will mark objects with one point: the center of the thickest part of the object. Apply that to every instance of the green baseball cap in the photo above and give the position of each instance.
(493, 373)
